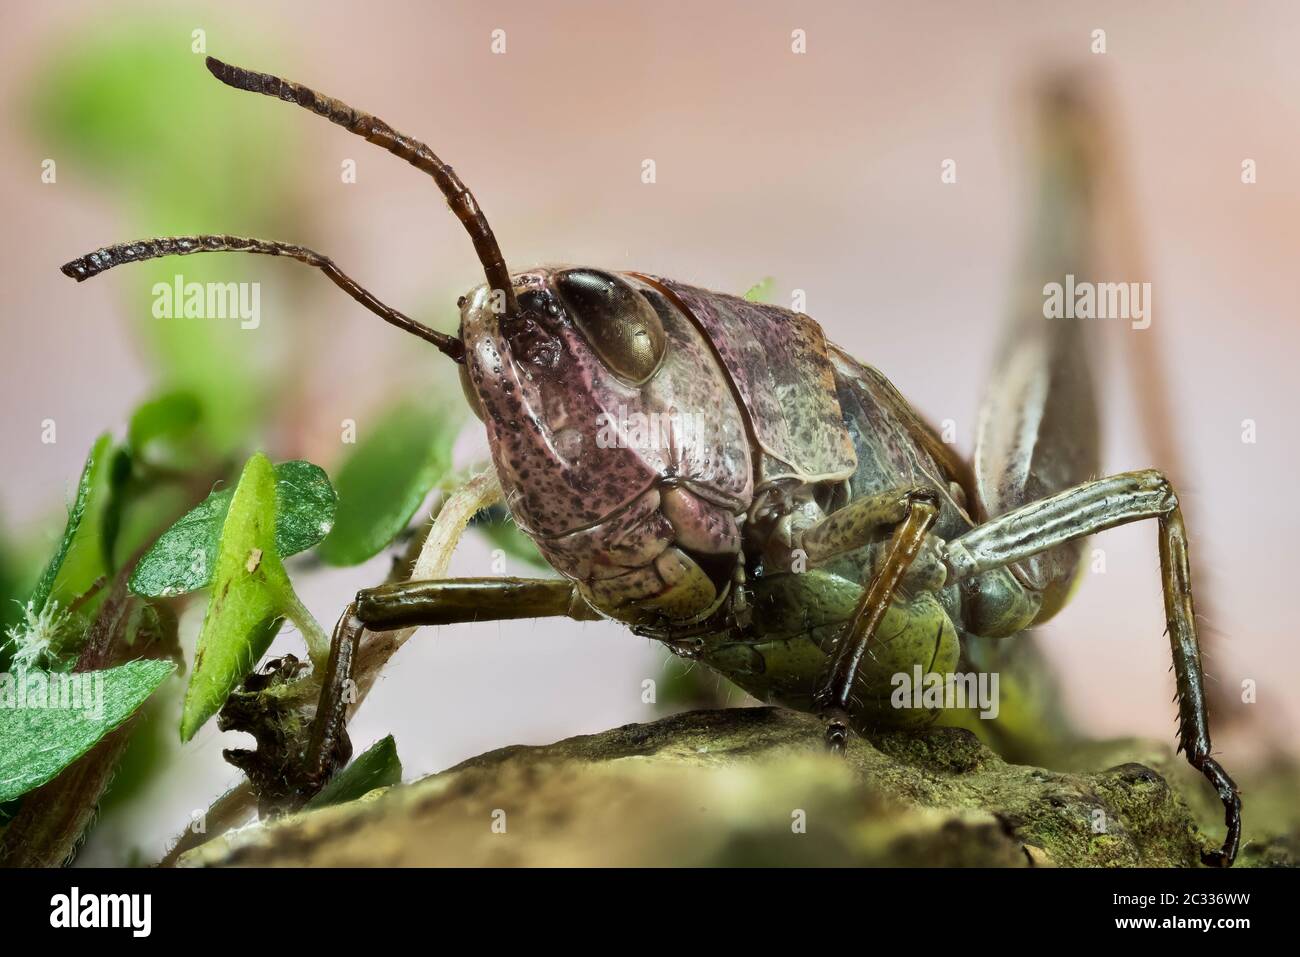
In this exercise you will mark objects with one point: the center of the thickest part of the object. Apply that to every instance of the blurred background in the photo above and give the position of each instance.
(820, 170)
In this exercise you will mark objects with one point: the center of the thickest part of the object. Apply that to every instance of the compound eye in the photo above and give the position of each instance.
(622, 327)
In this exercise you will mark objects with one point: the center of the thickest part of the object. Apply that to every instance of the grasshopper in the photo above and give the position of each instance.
(815, 537)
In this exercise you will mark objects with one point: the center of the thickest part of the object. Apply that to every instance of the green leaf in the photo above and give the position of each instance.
(37, 742)
(79, 558)
(762, 290)
(139, 511)
(165, 418)
(183, 558)
(386, 478)
(249, 593)
(120, 467)
(379, 767)
(305, 504)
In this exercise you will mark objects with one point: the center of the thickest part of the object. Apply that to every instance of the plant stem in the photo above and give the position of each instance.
(318, 642)
(230, 810)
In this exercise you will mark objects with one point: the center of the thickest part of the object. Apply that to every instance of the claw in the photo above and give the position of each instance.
(837, 733)
(1231, 799)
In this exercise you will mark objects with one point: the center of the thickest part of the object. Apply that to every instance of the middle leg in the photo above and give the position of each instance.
(918, 511)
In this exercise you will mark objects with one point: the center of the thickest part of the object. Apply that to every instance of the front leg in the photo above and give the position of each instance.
(917, 509)
(1094, 507)
(407, 605)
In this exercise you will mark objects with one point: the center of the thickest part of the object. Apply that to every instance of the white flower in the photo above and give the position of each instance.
(36, 635)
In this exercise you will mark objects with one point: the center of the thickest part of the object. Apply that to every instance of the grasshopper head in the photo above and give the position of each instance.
(582, 343)
(607, 415)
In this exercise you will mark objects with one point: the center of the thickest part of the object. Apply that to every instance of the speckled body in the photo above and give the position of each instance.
(692, 538)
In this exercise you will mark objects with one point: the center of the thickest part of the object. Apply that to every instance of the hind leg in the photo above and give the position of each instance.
(1093, 507)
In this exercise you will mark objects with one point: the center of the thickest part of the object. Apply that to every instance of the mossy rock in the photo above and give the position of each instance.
(745, 786)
